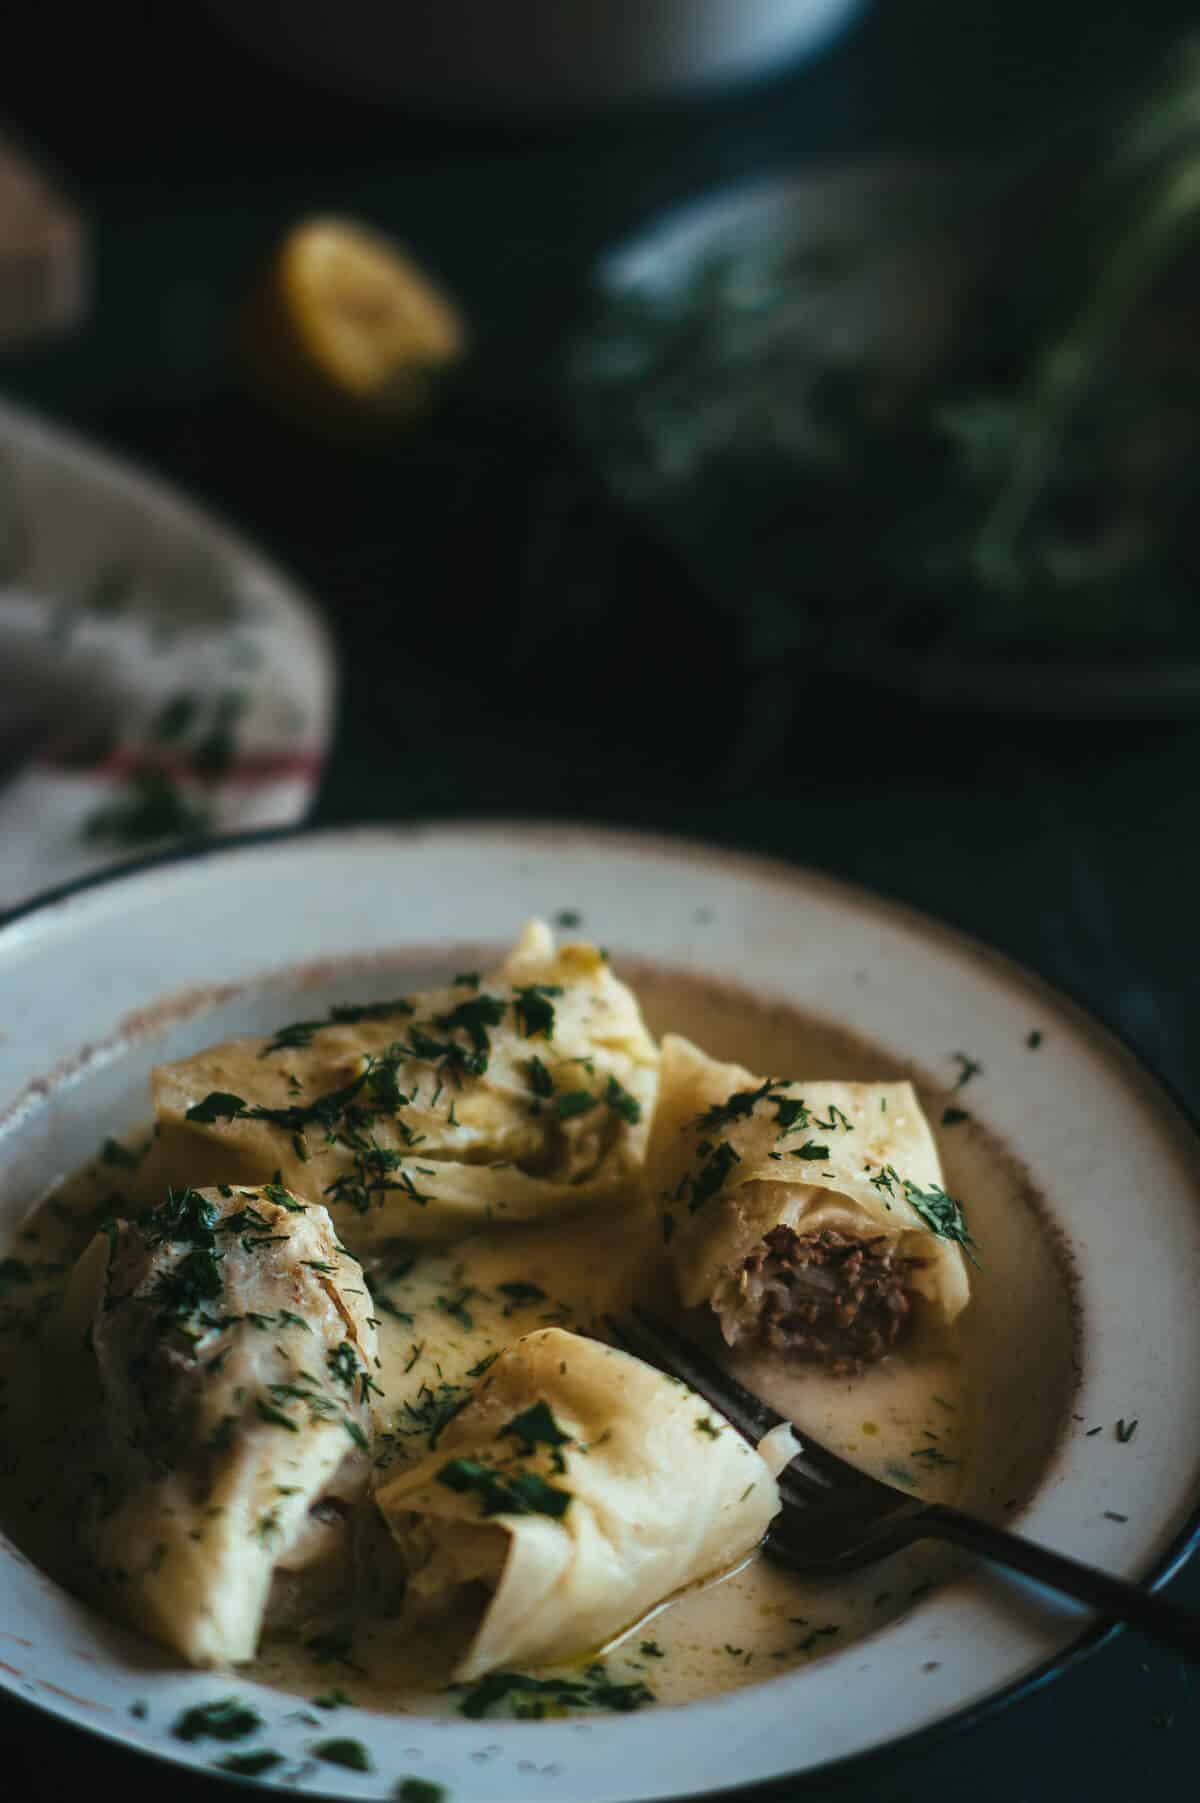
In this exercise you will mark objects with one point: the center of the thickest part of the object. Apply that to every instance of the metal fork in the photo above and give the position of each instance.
(836, 1519)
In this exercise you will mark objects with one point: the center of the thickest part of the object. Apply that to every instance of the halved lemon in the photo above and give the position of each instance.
(346, 323)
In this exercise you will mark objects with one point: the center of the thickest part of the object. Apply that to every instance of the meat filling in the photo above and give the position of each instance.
(822, 1296)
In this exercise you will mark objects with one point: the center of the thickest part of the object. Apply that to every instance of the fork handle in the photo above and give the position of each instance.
(1160, 1620)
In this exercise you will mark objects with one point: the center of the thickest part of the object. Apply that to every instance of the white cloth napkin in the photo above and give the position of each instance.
(137, 718)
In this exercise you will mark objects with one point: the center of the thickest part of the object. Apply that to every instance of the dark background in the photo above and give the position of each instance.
(591, 690)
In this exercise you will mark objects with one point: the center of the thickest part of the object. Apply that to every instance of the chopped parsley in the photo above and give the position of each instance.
(196, 1280)
(386, 1306)
(466, 979)
(356, 1434)
(650, 1649)
(250, 1765)
(349, 1753)
(224, 1719)
(738, 1107)
(791, 1113)
(524, 1493)
(811, 1150)
(967, 1068)
(324, 1111)
(568, 919)
(372, 1176)
(294, 1038)
(184, 1217)
(537, 1427)
(952, 1116)
(275, 1417)
(282, 1198)
(1125, 1430)
(1033, 1040)
(218, 1105)
(618, 1098)
(704, 1425)
(534, 1009)
(941, 1213)
(540, 1080)
(449, 1055)
(520, 1294)
(343, 1364)
(331, 1699)
(421, 1790)
(574, 1103)
(712, 1175)
(455, 1307)
(433, 1410)
(836, 1119)
(152, 807)
(473, 1018)
(350, 1014)
(531, 1698)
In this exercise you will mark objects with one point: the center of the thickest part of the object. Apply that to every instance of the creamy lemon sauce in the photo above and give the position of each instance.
(443, 1312)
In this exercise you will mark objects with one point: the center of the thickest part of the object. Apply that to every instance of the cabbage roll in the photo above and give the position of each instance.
(810, 1217)
(517, 1098)
(576, 1490)
(236, 1358)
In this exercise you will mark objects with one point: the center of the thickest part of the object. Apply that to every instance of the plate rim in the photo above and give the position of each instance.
(1184, 1119)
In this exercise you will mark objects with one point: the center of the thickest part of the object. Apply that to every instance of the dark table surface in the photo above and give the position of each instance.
(1073, 847)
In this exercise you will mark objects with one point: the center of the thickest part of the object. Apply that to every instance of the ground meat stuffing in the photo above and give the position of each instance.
(823, 1296)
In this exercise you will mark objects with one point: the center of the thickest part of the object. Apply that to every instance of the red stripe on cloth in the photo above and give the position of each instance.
(246, 773)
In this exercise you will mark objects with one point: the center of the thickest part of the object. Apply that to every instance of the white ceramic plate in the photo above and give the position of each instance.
(98, 983)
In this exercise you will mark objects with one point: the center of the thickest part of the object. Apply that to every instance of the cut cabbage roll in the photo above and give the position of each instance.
(577, 1490)
(236, 1358)
(810, 1217)
(519, 1098)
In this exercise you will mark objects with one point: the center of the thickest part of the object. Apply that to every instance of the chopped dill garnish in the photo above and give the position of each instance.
(501, 1493)
(534, 1009)
(712, 1175)
(531, 1698)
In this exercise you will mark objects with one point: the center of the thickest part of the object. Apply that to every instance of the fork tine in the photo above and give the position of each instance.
(661, 1345)
(651, 1340)
(812, 1476)
(656, 1345)
(835, 1518)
